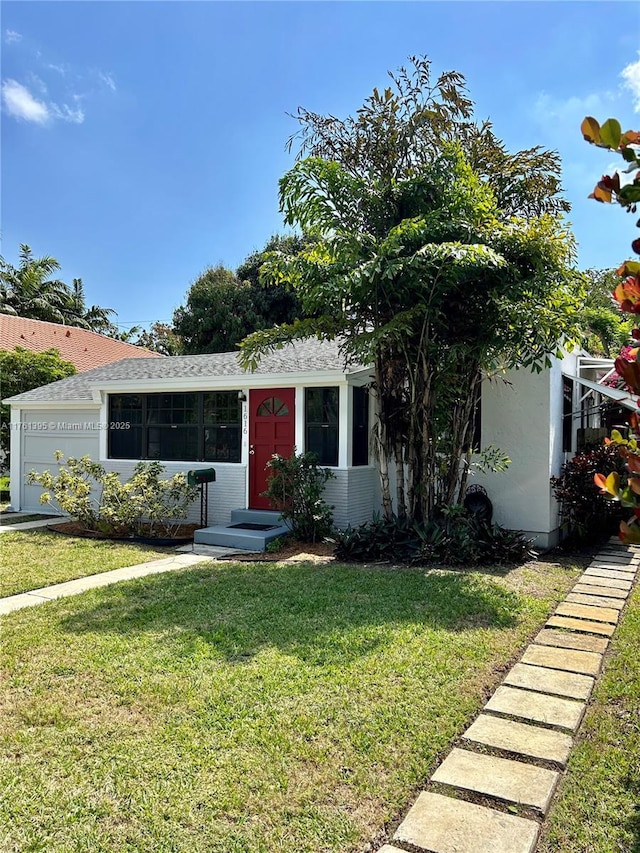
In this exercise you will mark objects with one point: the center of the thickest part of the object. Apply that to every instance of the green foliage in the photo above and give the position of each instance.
(27, 291)
(294, 488)
(435, 255)
(217, 315)
(222, 308)
(586, 514)
(20, 371)
(604, 327)
(147, 504)
(453, 537)
(274, 303)
(160, 337)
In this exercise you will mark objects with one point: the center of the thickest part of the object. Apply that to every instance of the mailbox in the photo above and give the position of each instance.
(201, 475)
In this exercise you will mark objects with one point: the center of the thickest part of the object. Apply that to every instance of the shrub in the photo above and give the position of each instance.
(454, 537)
(587, 514)
(145, 504)
(294, 488)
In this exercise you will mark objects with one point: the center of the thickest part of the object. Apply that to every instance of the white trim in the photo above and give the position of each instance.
(15, 445)
(345, 398)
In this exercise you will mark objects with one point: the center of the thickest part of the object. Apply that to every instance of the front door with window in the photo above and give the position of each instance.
(271, 430)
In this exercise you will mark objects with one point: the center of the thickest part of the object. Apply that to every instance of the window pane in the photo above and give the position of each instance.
(125, 408)
(360, 446)
(173, 443)
(125, 443)
(222, 444)
(221, 407)
(321, 413)
(172, 408)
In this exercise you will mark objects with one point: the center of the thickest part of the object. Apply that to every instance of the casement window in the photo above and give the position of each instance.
(360, 430)
(201, 426)
(321, 424)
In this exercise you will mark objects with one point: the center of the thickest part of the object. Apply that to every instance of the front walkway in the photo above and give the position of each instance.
(511, 757)
(75, 587)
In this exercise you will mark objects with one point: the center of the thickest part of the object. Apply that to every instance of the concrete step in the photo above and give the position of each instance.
(255, 516)
(245, 540)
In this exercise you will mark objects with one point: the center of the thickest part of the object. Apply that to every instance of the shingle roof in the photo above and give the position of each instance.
(301, 357)
(85, 350)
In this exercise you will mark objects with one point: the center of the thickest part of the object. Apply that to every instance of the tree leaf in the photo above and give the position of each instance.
(610, 134)
(591, 130)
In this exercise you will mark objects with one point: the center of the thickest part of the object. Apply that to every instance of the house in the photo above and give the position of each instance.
(198, 411)
(84, 349)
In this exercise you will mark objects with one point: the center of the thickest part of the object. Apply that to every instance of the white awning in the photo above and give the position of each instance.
(624, 398)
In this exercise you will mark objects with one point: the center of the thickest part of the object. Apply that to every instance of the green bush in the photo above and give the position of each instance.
(454, 537)
(145, 505)
(294, 487)
(587, 515)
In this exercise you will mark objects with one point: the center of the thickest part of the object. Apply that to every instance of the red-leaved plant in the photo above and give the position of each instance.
(623, 188)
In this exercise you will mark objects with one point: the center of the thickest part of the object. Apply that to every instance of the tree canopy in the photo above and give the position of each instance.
(21, 370)
(435, 254)
(29, 291)
(222, 308)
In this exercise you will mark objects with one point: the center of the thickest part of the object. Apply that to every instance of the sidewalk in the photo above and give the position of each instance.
(512, 755)
(177, 560)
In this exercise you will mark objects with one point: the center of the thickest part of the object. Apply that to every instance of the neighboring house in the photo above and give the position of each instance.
(84, 349)
(204, 410)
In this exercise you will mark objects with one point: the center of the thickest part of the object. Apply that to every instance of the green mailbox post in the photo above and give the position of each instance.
(202, 477)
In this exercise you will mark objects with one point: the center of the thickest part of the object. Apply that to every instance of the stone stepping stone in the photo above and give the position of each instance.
(598, 600)
(604, 572)
(571, 660)
(588, 611)
(388, 848)
(614, 583)
(538, 707)
(565, 640)
(611, 592)
(615, 559)
(503, 778)
(528, 740)
(446, 825)
(555, 681)
(601, 628)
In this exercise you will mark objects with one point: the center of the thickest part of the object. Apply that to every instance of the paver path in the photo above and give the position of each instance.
(512, 754)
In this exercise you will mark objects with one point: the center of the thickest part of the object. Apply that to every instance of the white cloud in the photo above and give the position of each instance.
(11, 36)
(20, 103)
(75, 115)
(108, 80)
(61, 69)
(631, 76)
(570, 109)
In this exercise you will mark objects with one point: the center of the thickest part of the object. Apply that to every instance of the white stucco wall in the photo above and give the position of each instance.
(522, 416)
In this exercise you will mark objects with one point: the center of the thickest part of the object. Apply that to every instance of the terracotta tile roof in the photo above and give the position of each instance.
(85, 350)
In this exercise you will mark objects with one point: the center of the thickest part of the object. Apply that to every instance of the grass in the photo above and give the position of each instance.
(35, 558)
(246, 708)
(598, 807)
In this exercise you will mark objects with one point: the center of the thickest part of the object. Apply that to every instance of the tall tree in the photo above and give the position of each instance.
(21, 370)
(94, 318)
(274, 302)
(160, 337)
(29, 291)
(422, 266)
(217, 314)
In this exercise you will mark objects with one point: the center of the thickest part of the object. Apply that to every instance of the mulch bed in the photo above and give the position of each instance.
(183, 534)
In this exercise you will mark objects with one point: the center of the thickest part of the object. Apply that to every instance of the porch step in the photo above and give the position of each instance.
(255, 516)
(227, 536)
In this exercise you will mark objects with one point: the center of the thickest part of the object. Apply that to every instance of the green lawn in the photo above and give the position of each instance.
(35, 558)
(247, 708)
(598, 807)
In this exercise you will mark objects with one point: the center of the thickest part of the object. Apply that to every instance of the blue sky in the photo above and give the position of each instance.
(143, 141)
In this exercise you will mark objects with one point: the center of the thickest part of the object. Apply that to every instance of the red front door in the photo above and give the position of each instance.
(271, 430)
